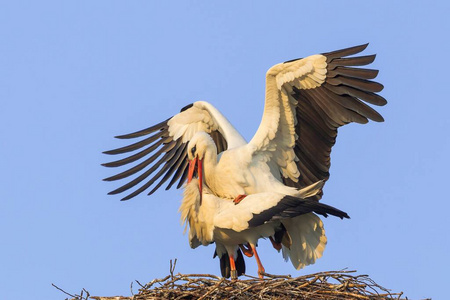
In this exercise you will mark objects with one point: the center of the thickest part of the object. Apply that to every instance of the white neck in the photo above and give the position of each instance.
(233, 137)
(209, 163)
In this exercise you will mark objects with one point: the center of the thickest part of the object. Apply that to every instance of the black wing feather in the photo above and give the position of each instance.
(160, 153)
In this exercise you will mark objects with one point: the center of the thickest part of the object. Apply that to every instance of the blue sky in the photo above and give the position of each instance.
(75, 73)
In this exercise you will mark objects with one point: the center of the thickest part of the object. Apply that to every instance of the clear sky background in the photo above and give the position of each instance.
(75, 73)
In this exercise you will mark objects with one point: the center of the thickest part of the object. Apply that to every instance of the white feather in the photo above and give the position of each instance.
(308, 240)
(203, 116)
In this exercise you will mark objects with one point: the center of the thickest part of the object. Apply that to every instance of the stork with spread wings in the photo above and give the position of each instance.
(282, 169)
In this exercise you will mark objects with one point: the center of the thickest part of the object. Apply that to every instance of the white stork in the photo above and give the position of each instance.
(306, 101)
(214, 219)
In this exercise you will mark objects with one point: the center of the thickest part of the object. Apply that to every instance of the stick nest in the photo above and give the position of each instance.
(333, 285)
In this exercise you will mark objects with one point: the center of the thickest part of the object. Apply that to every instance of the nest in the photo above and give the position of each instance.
(332, 285)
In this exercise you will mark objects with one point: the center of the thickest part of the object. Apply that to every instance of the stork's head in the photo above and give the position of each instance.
(199, 144)
(196, 149)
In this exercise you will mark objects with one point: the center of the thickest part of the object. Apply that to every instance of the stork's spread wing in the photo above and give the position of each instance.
(163, 151)
(307, 100)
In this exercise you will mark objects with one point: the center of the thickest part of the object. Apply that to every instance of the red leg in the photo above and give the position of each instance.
(239, 198)
(276, 245)
(233, 271)
(246, 250)
(258, 261)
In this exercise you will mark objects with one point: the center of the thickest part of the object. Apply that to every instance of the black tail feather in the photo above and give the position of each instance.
(290, 207)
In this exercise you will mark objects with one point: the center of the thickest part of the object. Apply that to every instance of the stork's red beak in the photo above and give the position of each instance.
(193, 165)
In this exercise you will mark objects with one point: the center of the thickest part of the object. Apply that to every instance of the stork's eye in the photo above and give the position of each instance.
(193, 150)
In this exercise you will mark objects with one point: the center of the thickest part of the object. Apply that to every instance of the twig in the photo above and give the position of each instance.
(63, 291)
(172, 268)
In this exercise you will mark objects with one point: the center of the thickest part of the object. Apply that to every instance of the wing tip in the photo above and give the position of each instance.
(344, 215)
(117, 191)
(377, 117)
(121, 137)
(128, 197)
(108, 165)
(109, 179)
(346, 51)
(381, 101)
(365, 45)
(109, 152)
(360, 48)
(186, 107)
(291, 60)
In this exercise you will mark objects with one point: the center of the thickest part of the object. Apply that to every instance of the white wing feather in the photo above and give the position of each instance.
(203, 116)
(276, 134)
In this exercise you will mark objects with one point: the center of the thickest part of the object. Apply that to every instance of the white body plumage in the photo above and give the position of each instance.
(219, 220)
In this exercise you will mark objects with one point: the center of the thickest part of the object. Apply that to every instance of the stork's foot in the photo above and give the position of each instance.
(261, 272)
(246, 250)
(239, 198)
(276, 245)
(233, 274)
